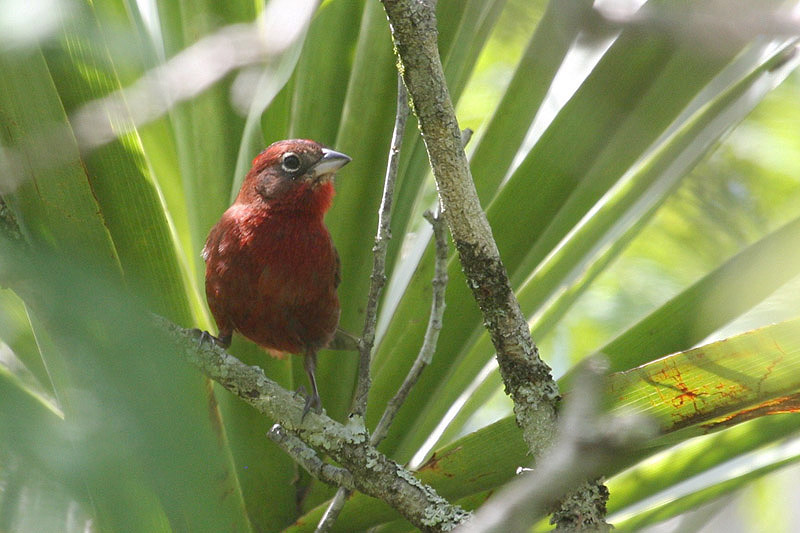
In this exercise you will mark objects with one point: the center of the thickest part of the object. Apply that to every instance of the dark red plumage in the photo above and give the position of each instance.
(271, 267)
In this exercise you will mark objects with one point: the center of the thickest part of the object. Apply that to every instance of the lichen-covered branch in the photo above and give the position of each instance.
(373, 473)
(587, 443)
(527, 378)
(306, 457)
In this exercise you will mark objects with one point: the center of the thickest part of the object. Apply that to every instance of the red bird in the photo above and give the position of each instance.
(271, 267)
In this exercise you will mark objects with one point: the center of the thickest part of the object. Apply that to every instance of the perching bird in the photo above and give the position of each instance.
(271, 267)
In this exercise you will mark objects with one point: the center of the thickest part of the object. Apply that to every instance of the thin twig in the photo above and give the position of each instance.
(334, 509)
(306, 457)
(423, 359)
(431, 333)
(431, 338)
(377, 281)
(378, 276)
(466, 137)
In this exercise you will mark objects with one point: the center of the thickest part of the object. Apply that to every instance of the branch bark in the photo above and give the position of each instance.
(587, 443)
(425, 355)
(378, 276)
(526, 377)
(306, 457)
(372, 472)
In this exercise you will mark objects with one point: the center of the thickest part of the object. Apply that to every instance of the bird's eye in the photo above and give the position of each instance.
(290, 162)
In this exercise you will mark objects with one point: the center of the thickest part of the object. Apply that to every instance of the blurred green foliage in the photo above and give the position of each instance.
(599, 162)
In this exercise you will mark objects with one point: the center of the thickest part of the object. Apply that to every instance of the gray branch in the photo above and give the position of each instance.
(306, 457)
(527, 378)
(378, 276)
(431, 333)
(587, 443)
(334, 508)
(423, 359)
(373, 473)
(377, 281)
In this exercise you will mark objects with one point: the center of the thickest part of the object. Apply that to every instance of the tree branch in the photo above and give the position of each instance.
(527, 378)
(378, 276)
(306, 457)
(423, 359)
(331, 514)
(377, 281)
(372, 472)
(431, 333)
(587, 443)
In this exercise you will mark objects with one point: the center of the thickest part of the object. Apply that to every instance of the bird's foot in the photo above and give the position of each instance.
(300, 392)
(313, 401)
(204, 337)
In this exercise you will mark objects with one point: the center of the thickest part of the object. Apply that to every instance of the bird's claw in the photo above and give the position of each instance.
(301, 391)
(202, 336)
(312, 401)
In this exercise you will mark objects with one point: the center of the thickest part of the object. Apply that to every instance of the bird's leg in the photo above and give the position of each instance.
(223, 341)
(313, 399)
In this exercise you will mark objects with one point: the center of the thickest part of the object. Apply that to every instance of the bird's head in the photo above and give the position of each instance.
(295, 174)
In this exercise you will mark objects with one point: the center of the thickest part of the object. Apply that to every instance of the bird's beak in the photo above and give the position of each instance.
(331, 162)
